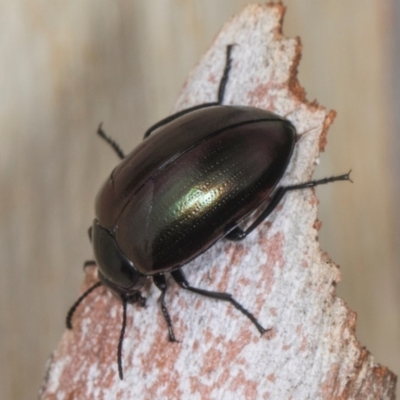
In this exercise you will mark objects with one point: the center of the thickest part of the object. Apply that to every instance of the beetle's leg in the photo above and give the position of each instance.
(160, 281)
(238, 233)
(180, 279)
(79, 301)
(175, 116)
(221, 93)
(121, 338)
(225, 76)
(115, 146)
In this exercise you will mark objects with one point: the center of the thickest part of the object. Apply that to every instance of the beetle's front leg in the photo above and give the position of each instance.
(160, 281)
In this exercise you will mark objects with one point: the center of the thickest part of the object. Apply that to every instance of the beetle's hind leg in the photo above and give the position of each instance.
(175, 116)
(225, 76)
(220, 98)
(237, 233)
(180, 279)
(161, 283)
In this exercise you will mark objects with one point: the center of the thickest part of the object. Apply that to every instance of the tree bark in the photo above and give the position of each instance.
(278, 272)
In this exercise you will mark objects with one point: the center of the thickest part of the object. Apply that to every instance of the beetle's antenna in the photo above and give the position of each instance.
(121, 338)
(111, 142)
(79, 301)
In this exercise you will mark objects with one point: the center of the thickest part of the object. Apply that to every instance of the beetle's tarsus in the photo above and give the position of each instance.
(317, 182)
(348, 176)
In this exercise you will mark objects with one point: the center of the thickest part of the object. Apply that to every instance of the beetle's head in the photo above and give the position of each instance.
(116, 271)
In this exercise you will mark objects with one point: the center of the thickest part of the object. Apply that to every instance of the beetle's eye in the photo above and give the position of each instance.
(112, 262)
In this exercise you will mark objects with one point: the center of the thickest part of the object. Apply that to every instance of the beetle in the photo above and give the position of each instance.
(192, 181)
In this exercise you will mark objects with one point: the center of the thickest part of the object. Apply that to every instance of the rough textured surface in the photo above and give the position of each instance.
(278, 272)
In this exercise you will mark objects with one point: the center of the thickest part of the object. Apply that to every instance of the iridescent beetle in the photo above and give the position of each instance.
(197, 175)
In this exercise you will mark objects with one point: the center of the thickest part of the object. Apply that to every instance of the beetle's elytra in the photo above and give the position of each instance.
(183, 187)
(191, 182)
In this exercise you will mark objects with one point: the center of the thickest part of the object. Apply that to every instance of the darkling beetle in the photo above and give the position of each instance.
(204, 170)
